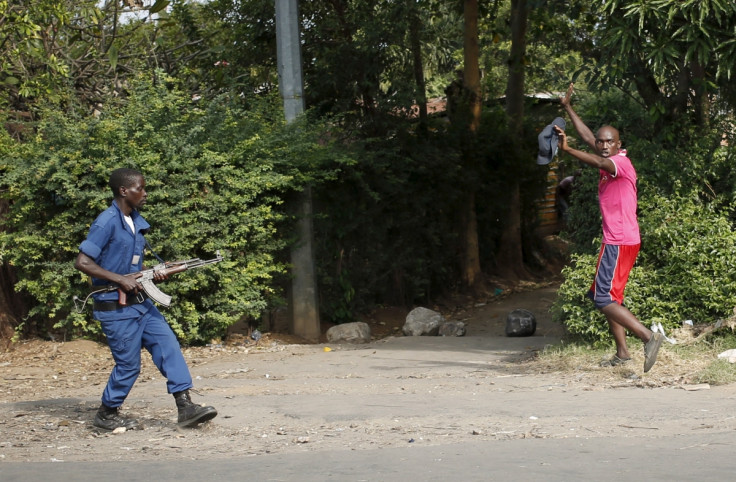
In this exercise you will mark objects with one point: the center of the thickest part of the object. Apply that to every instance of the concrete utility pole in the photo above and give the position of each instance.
(303, 308)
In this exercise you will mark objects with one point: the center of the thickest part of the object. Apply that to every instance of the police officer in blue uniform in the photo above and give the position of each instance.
(114, 248)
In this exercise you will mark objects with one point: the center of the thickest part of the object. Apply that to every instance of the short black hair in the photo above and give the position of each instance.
(123, 177)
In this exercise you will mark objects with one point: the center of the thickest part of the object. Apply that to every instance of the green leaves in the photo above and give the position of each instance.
(217, 175)
(158, 6)
(676, 55)
(112, 55)
(686, 270)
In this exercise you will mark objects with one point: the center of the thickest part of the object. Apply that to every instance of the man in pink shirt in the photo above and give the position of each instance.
(621, 241)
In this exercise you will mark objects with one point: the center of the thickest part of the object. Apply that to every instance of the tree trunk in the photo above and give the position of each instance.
(470, 260)
(471, 57)
(12, 306)
(646, 85)
(510, 255)
(701, 101)
(416, 52)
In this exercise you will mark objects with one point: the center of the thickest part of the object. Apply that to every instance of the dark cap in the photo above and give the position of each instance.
(548, 142)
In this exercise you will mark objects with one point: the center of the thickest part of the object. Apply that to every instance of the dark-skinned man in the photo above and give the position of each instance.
(113, 249)
(617, 196)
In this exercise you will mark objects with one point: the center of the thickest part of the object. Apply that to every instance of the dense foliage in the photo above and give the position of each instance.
(387, 226)
(185, 91)
(685, 270)
(217, 174)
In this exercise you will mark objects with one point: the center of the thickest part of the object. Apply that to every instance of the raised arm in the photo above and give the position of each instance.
(583, 131)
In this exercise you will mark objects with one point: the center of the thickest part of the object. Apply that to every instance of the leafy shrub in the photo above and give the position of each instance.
(584, 221)
(217, 175)
(573, 308)
(690, 258)
(685, 270)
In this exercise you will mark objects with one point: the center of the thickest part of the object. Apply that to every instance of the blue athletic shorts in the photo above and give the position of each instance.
(612, 273)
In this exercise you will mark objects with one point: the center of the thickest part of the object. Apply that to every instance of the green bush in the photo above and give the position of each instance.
(217, 173)
(685, 270)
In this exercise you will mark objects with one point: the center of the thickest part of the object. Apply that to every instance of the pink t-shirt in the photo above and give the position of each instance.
(617, 197)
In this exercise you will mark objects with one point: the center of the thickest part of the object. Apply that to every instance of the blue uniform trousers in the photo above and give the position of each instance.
(126, 337)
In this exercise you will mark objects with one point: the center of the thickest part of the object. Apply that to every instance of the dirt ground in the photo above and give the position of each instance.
(278, 396)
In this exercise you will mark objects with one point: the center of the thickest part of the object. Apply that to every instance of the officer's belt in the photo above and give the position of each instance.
(114, 305)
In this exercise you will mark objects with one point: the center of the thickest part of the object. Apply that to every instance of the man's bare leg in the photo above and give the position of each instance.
(621, 319)
(619, 336)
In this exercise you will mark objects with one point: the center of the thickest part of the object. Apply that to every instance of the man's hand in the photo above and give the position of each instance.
(128, 283)
(562, 138)
(87, 265)
(565, 101)
(160, 275)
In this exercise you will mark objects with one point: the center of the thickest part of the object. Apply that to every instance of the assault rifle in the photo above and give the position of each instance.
(146, 279)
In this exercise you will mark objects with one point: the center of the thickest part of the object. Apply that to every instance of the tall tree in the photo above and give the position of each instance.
(510, 255)
(678, 56)
(470, 261)
(83, 52)
(415, 43)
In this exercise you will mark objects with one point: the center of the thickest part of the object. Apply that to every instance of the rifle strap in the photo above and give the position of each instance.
(154, 252)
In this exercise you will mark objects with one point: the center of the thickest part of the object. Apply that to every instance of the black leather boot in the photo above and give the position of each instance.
(108, 418)
(191, 414)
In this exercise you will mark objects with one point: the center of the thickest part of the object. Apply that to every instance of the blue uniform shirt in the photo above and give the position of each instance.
(112, 245)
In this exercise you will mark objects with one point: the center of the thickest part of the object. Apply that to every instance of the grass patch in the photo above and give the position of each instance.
(693, 360)
(720, 372)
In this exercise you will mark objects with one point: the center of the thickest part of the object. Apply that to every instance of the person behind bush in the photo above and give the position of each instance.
(114, 248)
(617, 198)
(563, 191)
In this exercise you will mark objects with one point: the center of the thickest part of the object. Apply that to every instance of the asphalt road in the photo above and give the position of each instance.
(706, 457)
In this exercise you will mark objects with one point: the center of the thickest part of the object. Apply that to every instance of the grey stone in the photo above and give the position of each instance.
(452, 328)
(357, 332)
(422, 322)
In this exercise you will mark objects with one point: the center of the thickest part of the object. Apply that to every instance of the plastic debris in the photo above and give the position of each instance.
(657, 328)
(695, 388)
(520, 322)
(729, 355)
